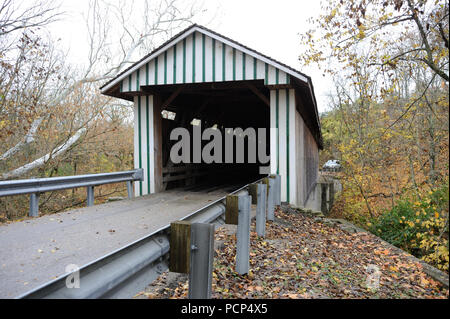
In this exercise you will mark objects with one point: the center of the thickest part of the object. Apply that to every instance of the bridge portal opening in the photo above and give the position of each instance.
(229, 135)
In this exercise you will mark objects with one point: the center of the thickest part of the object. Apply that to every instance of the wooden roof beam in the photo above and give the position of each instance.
(258, 93)
(172, 97)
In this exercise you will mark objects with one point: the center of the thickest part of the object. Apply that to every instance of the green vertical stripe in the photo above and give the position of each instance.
(276, 75)
(137, 79)
(129, 83)
(223, 62)
(266, 78)
(165, 67)
(243, 66)
(156, 70)
(214, 60)
(148, 145)
(203, 57)
(174, 64)
(234, 64)
(288, 80)
(121, 86)
(287, 143)
(193, 57)
(146, 74)
(255, 65)
(140, 142)
(277, 126)
(184, 60)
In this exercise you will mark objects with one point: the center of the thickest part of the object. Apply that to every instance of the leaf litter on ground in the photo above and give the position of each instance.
(301, 257)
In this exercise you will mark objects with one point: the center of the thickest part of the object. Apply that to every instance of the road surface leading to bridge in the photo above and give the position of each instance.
(35, 251)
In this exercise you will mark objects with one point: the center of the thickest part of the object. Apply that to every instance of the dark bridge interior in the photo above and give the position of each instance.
(223, 106)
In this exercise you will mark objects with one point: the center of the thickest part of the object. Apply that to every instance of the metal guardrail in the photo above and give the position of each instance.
(36, 186)
(128, 270)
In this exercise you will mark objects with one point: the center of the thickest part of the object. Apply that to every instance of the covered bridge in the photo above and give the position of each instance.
(201, 77)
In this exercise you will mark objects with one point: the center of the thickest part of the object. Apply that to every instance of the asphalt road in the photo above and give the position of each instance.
(38, 250)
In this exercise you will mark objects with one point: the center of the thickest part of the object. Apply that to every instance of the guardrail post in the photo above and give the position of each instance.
(261, 204)
(201, 265)
(90, 195)
(277, 190)
(130, 189)
(243, 235)
(270, 199)
(34, 205)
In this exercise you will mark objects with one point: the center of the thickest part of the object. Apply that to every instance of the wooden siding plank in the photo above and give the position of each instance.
(144, 143)
(140, 141)
(156, 70)
(180, 63)
(147, 131)
(282, 143)
(273, 134)
(199, 58)
(193, 57)
(136, 139)
(151, 72)
(229, 64)
(151, 144)
(169, 67)
(287, 146)
(293, 148)
(213, 60)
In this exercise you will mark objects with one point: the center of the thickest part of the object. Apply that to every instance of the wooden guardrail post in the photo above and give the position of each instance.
(180, 247)
(232, 209)
(192, 252)
(253, 192)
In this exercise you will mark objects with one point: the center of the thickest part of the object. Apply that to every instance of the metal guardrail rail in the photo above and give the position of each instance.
(128, 270)
(35, 186)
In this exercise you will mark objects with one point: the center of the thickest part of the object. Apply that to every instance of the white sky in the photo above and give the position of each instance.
(271, 27)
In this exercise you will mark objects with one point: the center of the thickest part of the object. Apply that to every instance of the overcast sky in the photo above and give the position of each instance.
(271, 27)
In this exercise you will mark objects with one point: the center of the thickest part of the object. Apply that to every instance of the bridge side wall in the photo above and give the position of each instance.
(301, 163)
(283, 145)
(148, 143)
(294, 153)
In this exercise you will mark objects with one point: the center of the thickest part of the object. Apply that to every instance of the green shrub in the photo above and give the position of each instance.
(400, 225)
(419, 227)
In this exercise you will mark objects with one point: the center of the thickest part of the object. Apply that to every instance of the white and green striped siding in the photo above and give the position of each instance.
(199, 58)
(144, 143)
(283, 141)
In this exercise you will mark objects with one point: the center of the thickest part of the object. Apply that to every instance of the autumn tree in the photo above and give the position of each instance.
(389, 109)
(63, 98)
(53, 119)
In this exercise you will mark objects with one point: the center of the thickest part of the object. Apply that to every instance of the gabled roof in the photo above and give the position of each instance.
(229, 42)
(200, 55)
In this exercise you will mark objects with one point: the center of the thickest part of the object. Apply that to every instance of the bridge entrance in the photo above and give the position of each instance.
(228, 127)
